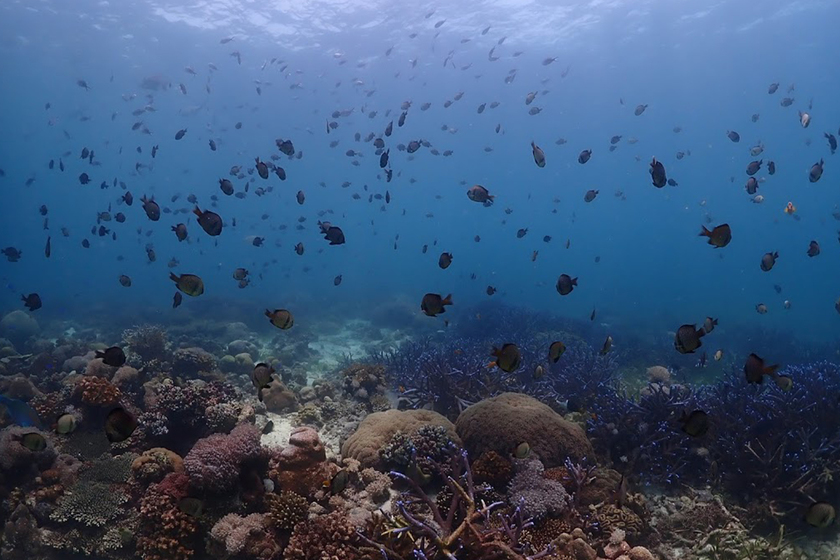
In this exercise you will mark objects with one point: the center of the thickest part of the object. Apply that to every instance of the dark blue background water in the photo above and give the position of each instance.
(706, 70)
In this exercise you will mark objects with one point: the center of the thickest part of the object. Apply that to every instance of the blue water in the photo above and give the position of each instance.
(704, 69)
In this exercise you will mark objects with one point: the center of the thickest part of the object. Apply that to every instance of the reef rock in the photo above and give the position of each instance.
(242, 347)
(278, 398)
(18, 327)
(377, 429)
(301, 466)
(501, 423)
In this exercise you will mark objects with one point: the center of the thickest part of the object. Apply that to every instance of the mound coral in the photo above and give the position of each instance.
(156, 463)
(301, 466)
(243, 537)
(378, 428)
(214, 463)
(502, 423)
(17, 461)
(190, 362)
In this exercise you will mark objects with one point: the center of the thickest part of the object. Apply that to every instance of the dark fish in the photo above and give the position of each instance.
(119, 425)
(832, 142)
(212, 145)
(734, 136)
(820, 515)
(262, 168)
(590, 195)
(433, 305)
(816, 172)
(720, 236)
(755, 370)
(813, 249)
(754, 166)
(639, 110)
(226, 186)
(477, 193)
(191, 506)
(262, 375)
(33, 441)
(768, 261)
(584, 156)
(695, 424)
(490, 290)
(539, 155)
(445, 260)
(605, 349)
(113, 356)
(555, 350)
(342, 478)
(299, 248)
(32, 301)
(522, 232)
(687, 339)
(752, 185)
(709, 324)
(657, 173)
(176, 301)
(12, 254)
(383, 159)
(125, 281)
(180, 134)
(190, 284)
(180, 231)
(151, 207)
(84, 179)
(300, 197)
(334, 235)
(773, 88)
(48, 247)
(337, 280)
(209, 221)
(128, 198)
(280, 318)
(508, 357)
(565, 284)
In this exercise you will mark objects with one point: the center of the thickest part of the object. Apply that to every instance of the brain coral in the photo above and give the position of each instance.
(503, 422)
(377, 429)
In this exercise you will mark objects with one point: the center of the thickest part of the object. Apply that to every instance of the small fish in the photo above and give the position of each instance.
(262, 168)
(339, 482)
(490, 290)
(281, 318)
(657, 174)
(508, 357)
(539, 155)
(66, 424)
(784, 382)
(522, 451)
(337, 280)
(32, 301)
(820, 515)
(299, 248)
(555, 350)
(151, 208)
(180, 231)
(584, 156)
(816, 171)
(20, 413)
(719, 237)
(813, 249)
(718, 355)
(33, 441)
(734, 136)
(191, 506)
(687, 339)
(176, 301)
(768, 261)
(262, 375)
(709, 324)
(761, 308)
(590, 195)
(125, 281)
(753, 167)
(607, 346)
(565, 284)
(804, 119)
(180, 134)
(695, 424)
(639, 110)
(755, 370)
(432, 304)
(113, 356)
(209, 221)
(119, 425)
(190, 284)
(832, 142)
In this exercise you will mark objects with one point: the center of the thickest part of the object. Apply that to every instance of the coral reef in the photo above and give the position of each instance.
(301, 466)
(286, 509)
(326, 537)
(215, 462)
(536, 495)
(149, 342)
(243, 537)
(154, 464)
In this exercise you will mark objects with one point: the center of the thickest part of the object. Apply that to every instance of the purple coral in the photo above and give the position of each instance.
(214, 463)
(536, 495)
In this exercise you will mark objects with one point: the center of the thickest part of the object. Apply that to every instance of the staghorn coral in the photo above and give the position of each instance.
(214, 463)
(96, 391)
(326, 537)
(287, 509)
(147, 341)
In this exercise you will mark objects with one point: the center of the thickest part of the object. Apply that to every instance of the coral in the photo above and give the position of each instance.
(309, 414)
(244, 537)
(90, 503)
(429, 448)
(97, 368)
(492, 468)
(659, 374)
(326, 537)
(19, 387)
(156, 463)
(278, 398)
(222, 417)
(165, 532)
(535, 494)
(96, 391)
(287, 509)
(301, 466)
(609, 517)
(127, 378)
(214, 463)
(502, 423)
(18, 327)
(186, 406)
(190, 362)
(147, 341)
(363, 380)
(377, 484)
(377, 429)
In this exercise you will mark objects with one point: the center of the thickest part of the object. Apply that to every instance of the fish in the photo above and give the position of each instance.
(281, 318)
(262, 375)
(113, 356)
(695, 424)
(584, 156)
(180, 134)
(119, 425)
(709, 324)
(539, 155)
(262, 168)
(565, 284)
(555, 351)
(151, 208)
(639, 110)
(508, 357)
(816, 171)
(490, 290)
(813, 249)
(177, 299)
(804, 119)
(478, 193)
(590, 195)
(768, 261)
(751, 186)
(607, 346)
(338, 482)
(125, 281)
(657, 174)
(300, 197)
(337, 280)
(226, 186)
(12, 254)
(191, 506)
(433, 305)
(687, 339)
(66, 424)
(771, 167)
(21, 413)
(719, 237)
(209, 221)
(445, 260)
(753, 167)
(32, 301)
(755, 369)
(784, 382)
(733, 136)
(832, 142)
(761, 308)
(773, 88)
(334, 235)
(189, 284)
(522, 451)
(718, 356)
(820, 515)
(522, 232)
(180, 231)
(299, 248)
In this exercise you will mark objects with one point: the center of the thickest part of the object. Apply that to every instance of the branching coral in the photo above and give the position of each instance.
(244, 537)
(214, 463)
(166, 532)
(287, 509)
(326, 537)
(536, 495)
(96, 391)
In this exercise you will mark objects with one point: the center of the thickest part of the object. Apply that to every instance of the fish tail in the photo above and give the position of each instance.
(704, 232)
(447, 300)
(173, 277)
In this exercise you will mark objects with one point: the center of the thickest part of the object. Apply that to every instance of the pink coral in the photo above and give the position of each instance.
(244, 536)
(301, 466)
(214, 463)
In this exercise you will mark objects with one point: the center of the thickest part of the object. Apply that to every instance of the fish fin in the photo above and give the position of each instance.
(447, 300)
(771, 370)
(704, 232)
(173, 277)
